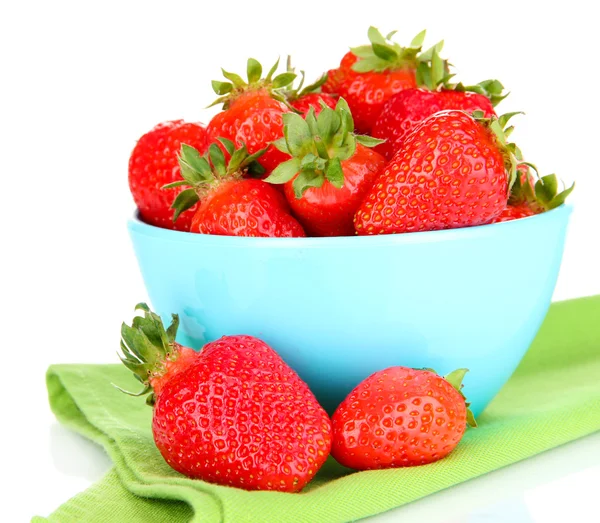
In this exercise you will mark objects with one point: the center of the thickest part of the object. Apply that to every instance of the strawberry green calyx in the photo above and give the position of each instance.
(229, 91)
(510, 151)
(292, 93)
(382, 54)
(540, 193)
(455, 379)
(201, 173)
(318, 145)
(492, 89)
(147, 347)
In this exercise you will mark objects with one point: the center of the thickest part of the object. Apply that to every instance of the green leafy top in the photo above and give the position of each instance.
(510, 151)
(292, 92)
(318, 145)
(146, 346)
(229, 91)
(432, 71)
(455, 379)
(201, 173)
(492, 89)
(541, 193)
(382, 54)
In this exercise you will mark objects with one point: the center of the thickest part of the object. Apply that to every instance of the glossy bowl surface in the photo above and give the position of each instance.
(339, 309)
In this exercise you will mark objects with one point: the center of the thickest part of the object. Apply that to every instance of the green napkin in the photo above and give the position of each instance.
(553, 397)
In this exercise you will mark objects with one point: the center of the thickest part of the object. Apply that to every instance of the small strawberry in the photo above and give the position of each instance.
(252, 111)
(400, 417)
(407, 108)
(231, 204)
(330, 171)
(370, 75)
(453, 170)
(235, 414)
(513, 212)
(303, 98)
(153, 163)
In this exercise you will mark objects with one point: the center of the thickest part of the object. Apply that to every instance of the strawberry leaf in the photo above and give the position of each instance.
(334, 173)
(368, 141)
(305, 180)
(217, 159)
(284, 172)
(184, 201)
(253, 70)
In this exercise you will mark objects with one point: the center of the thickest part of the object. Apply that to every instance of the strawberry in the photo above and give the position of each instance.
(513, 212)
(330, 171)
(400, 417)
(407, 108)
(453, 170)
(235, 414)
(252, 111)
(303, 98)
(370, 75)
(230, 204)
(153, 163)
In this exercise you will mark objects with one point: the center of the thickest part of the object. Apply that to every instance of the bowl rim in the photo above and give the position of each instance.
(136, 225)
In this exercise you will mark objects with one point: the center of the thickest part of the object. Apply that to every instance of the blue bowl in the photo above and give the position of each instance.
(339, 309)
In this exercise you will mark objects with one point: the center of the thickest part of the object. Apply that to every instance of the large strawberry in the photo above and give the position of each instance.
(532, 194)
(252, 111)
(370, 75)
(330, 171)
(400, 417)
(230, 203)
(407, 108)
(235, 414)
(153, 163)
(453, 170)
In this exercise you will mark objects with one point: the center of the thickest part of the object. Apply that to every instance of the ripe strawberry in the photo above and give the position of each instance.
(532, 194)
(153, 163)
(235, 415)
(452, 170)
(400, 417)
(230, 204)
(407, 108)
(370, 75)
(330, 171)
(303, 98)
(252, 111)
(513, 212)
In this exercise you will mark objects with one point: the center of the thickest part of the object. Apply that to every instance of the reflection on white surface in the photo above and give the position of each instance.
(541, 489)
(512, 510)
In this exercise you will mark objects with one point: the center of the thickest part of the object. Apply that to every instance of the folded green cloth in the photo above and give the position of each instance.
(553, 397)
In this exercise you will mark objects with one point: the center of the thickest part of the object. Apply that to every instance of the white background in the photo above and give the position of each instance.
(81, 81)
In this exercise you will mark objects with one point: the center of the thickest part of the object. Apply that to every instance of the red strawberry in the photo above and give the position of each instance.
(303, 98)
(153, 163)
(230, 204)
(513, 212)
(306, 101)
(451, 171)
(236, 415)
(400, 417)
(370, 75)
(334, 78)
(407, 108)
(252, 112)
(330, 171)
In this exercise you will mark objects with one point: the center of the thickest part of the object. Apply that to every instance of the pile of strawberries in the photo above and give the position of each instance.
(235, 414)
(385, 143)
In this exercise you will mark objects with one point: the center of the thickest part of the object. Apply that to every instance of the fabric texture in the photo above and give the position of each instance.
(552, 398)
